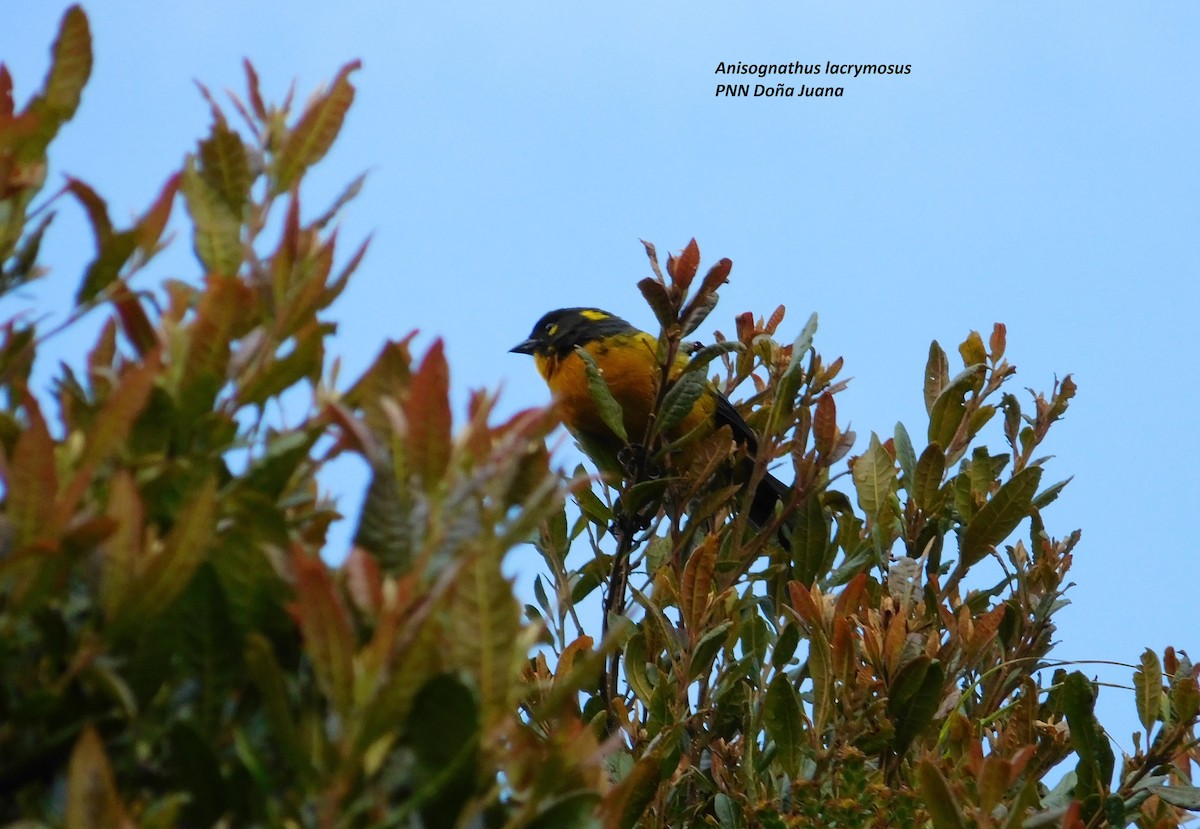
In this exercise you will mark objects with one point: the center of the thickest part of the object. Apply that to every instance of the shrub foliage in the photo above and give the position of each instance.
(175, 652)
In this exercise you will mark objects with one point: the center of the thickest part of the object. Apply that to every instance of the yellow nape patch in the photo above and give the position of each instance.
(594, 316)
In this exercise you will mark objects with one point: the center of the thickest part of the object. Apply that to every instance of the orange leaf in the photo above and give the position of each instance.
(804, 604)
(696, 590)
(92, 798)
(825, 431)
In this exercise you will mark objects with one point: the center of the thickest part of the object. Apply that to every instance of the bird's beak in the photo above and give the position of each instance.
(526, 347)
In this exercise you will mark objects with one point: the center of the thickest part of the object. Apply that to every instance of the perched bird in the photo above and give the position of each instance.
(628, 360)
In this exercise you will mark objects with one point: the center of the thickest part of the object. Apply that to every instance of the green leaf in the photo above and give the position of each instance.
(906, 456)
(595, 509)
(268, 677)
(443, 733)
(914, 699)
(216, 229)
(226, 167)
(1048, 495)
(314, 134)
(195, 769)
(70, 68)
(170, 571)
(874, 481)
(1148, 689)
(606, 405)
(388, 525)
(810, 540)
(679, 400)
(939, 800)
(1095, 766)
(999, 516)
(785, 646)
(708, 353)
(487, 625)
(937, 375)
(927, 478)
(972, 350)
(947, 410)
(793, 375)
(706, 649)
(570, 811)
(626, 801)
(820, 668)
(1184, 797)
(784, 723)
(209, 642)
(635, 667)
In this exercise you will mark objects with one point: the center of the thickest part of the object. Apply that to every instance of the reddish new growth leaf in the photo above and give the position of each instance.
(682, 269)
(428, 414)
(325, 625)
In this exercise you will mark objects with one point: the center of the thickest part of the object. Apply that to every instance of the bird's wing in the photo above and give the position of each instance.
(726, 415)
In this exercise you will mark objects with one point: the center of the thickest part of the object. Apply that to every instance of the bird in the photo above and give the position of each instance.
(628, 360)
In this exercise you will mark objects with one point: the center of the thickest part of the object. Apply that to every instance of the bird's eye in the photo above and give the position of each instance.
(551, 329)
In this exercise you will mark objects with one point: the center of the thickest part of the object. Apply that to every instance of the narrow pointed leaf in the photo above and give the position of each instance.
(71, 67)
(92, 798)
(784, 722)
(696, 589)
(429, 419)
(217, 230)
(325, 625)
(225, 167)
(606, 405)
(939, 800)
(679, 400)
(32, 481)
(313, 135)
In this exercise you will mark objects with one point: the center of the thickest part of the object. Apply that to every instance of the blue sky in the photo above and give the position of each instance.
(1038, 167)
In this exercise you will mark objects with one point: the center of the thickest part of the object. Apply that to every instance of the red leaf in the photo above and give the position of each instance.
(32, 479)
(6, 87)
(150, 227)
(428, 412)
(683, 270)
(256, 100)
(325, 625)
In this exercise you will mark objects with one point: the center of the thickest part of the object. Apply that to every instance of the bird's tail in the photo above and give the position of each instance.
(770, 492)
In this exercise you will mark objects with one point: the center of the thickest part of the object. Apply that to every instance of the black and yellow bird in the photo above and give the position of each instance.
(629, 363)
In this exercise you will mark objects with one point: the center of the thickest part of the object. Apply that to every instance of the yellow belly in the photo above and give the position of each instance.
(630, 367)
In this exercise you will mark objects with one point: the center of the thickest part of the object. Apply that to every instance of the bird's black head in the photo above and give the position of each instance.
(558, 332)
